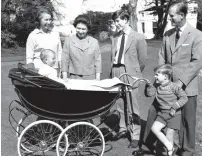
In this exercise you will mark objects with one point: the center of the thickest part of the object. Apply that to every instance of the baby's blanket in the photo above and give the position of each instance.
(113, 84)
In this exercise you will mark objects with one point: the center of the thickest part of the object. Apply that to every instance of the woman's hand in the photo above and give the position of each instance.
(59, 72)
(64, 76)
(97, 77)
(66, 79)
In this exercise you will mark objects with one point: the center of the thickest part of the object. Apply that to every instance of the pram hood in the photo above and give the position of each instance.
(26, 75)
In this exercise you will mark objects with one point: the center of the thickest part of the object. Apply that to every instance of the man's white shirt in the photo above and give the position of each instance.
(126, 32)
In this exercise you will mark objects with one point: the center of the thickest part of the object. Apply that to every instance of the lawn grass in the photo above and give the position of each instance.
(20, 51)
(153, 47)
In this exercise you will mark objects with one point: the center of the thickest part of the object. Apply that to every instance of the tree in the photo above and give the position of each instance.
(133, 16)
(161, 8)
(199, 17)
(131, 7)
(18, 20)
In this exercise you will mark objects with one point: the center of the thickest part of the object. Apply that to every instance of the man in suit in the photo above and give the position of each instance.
(181, 48)
(129, 54)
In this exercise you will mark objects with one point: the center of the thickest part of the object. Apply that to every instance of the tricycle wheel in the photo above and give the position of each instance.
(84, 139)
(39, 138)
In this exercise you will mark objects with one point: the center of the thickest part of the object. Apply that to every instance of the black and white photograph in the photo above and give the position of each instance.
(101, 78)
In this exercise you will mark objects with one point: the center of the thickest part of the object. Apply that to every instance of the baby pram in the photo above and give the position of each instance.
(51, 100)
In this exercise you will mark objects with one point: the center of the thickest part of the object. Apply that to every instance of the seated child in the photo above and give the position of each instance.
(48, 57)
(170, 99)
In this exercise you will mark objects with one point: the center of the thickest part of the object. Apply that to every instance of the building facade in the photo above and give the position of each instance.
(147, 22)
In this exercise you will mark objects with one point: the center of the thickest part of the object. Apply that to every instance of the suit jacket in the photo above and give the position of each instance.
(185, 57)
(135, 53)
(81, 57)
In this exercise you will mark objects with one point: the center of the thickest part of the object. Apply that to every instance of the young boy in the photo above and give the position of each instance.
(170, 99)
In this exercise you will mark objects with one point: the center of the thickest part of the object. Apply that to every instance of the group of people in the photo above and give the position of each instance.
(176, 81)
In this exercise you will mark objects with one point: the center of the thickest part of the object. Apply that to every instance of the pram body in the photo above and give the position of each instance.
(51, 100)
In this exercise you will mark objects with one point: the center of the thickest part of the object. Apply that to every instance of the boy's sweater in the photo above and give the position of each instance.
(168, 95)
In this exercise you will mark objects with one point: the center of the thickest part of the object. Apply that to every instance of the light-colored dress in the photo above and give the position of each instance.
(37, 41)
(81, 58)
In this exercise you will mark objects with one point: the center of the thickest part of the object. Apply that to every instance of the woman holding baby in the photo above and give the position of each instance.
(43, 37)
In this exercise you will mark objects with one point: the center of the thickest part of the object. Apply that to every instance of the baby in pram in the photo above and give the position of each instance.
(48, 58)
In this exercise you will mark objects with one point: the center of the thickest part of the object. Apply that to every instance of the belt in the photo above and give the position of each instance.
(118, 65)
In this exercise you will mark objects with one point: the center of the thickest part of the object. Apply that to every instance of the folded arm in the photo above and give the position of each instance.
(181, 95)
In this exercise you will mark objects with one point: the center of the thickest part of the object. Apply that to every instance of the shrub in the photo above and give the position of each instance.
(103, 35)
(99, 22)
(8, 40)
(18, 20)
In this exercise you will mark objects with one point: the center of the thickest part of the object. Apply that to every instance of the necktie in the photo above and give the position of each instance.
(121, 48)
(177, 35)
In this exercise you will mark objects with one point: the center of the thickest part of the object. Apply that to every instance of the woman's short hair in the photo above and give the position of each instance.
(164, 69)
(84, 19)
(122, 13)
(42, 10)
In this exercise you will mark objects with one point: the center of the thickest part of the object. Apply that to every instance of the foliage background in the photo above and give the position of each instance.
(18, 19)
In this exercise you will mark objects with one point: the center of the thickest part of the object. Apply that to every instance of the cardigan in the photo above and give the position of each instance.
(168, 95)
(81, 57)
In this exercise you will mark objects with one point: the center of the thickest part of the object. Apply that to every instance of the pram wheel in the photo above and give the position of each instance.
(27, 119)
(39, 138)
(84, 139)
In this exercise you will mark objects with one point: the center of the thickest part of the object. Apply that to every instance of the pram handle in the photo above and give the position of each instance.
(136, 79)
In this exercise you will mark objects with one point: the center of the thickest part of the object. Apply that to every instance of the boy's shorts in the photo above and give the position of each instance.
(171, 122)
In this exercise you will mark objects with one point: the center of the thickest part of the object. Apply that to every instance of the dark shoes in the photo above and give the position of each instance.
(179, 152)
(133, 144)
(139, 152)
(124, 134)
(121, 134)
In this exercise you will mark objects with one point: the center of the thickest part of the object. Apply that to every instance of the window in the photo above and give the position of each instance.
(143, 27)
(154, 27)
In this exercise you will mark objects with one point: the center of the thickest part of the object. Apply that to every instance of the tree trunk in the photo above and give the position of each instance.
(162, 22)
(133, 16)
(159, 24)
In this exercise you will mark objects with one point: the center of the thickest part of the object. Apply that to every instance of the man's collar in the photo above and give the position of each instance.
(183, 27)
(127, 30)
